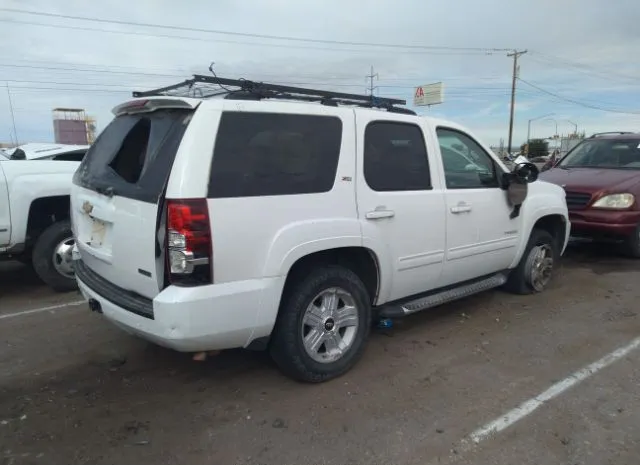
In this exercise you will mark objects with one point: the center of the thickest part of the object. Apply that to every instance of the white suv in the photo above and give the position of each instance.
(291, 219)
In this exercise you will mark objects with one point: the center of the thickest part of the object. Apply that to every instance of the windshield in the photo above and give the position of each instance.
(604, 153)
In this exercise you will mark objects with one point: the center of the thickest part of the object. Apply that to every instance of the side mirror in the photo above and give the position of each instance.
(525, 173)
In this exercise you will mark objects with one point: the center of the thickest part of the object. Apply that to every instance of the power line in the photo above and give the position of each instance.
(454, 90)
(576, 102)
(89, 70)
(70, 83)
(234, 42)
(247, 34)
(608, 73)
(189, 71)
(113, 91)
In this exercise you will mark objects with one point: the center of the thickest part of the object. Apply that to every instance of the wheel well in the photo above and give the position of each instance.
(43, 213)
(360, 260)
(555, 225)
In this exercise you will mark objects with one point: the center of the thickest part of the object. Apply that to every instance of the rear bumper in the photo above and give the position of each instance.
(603, 223)
(193, 319)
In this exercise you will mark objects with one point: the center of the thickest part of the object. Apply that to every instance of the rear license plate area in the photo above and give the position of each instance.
(98, 233)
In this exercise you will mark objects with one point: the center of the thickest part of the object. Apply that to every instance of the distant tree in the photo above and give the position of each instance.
(538, 148)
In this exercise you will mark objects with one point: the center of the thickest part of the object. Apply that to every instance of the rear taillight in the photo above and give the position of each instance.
(189, 245)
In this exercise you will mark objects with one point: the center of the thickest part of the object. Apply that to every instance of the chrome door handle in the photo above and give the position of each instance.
(461, 208)
(379, 214)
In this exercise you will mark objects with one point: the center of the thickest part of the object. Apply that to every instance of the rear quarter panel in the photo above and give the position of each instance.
(31, 180)
(263, 236)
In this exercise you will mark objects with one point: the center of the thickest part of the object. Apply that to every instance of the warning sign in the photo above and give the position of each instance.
(429, 94)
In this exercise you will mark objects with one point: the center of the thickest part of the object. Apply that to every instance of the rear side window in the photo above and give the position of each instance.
(260, 154)
(395, 157)
(78, 155)
(133, 156)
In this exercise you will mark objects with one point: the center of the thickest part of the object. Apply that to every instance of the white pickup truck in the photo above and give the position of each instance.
(34, 210)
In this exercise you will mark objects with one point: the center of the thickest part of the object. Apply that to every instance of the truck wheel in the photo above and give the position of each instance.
(536, 266)
(52, 257)
(632, 244)
(323, 325)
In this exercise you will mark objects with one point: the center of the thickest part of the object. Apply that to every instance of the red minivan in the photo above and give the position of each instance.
(601, 178)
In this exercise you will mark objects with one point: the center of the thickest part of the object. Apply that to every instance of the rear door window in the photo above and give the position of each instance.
(395, 157)
(262, 154)
(133, 156)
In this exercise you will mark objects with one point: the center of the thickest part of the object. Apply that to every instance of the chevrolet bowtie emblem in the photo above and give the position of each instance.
(87, 207)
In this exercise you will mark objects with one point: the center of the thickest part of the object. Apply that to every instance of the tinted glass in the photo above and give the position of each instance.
(260, 154)
(133, 156)
(466, 164)
(71, 156)
(604, 153)
(395, 157)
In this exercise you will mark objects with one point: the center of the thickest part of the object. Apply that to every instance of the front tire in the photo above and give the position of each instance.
(51, 257)
(536, 266)
(323, 325)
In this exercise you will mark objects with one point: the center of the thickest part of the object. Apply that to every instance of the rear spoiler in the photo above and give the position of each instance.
(152, 104)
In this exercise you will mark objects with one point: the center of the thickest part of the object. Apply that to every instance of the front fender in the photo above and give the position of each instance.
(543, 199)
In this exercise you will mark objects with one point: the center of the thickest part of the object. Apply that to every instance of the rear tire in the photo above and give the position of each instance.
(632, 244)
(536, 266)
(51, 257)
(323, 325)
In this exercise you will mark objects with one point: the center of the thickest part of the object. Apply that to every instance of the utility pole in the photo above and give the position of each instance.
(13, 119)
(515, 54)
(370, 77)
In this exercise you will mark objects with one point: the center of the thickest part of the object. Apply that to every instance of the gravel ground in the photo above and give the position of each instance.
(74, 389)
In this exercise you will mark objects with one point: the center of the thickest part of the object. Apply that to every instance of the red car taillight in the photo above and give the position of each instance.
(189, 244)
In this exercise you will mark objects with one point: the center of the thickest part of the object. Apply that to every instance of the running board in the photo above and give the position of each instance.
(442, 297)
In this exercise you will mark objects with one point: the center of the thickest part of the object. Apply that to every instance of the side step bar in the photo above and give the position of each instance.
(401, 309)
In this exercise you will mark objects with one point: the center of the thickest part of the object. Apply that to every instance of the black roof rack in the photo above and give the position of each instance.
(200, 86)
(597, 134)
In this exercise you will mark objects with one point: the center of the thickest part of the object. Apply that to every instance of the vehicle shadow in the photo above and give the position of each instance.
(599, 257)
(19, 283)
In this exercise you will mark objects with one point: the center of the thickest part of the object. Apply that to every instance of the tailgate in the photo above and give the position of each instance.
(117, 199)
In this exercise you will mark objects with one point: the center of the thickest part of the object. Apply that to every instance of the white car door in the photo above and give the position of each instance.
(481, 236)
(400, 202)
(5, 213)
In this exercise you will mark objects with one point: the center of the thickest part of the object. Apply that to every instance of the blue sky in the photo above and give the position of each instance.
(580, 59)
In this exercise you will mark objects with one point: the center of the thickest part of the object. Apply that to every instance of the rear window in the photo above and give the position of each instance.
(260, 154)
(133, 156)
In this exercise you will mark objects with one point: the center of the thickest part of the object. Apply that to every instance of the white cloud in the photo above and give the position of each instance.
(601, 35)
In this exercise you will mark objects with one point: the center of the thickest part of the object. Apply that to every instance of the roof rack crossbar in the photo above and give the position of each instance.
(246, 89)
(150, 93)
(258, 87)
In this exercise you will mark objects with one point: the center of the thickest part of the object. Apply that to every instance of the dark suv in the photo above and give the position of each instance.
(601, 177)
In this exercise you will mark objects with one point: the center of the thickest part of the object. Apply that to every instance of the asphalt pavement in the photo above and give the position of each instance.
(555, 375)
